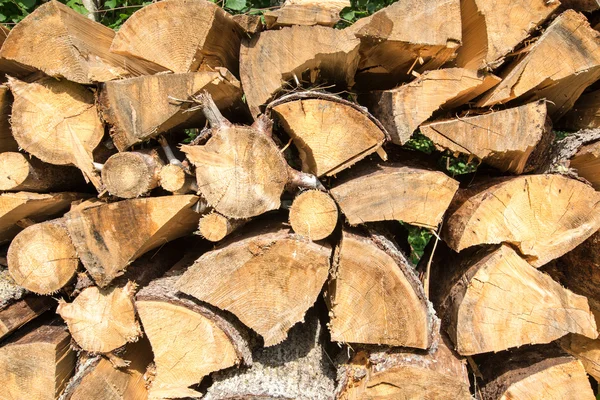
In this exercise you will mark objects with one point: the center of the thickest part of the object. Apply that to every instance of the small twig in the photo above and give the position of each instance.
(211, 111)
(169, 152)
(428, 270)
(98, 166)
(304, 180)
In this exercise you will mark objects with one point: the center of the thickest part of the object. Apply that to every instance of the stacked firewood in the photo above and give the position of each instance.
(208, 205)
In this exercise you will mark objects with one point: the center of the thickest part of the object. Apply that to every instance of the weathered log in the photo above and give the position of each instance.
(306, 12)
(531, 77)
(10, 292)
(585, 350)
(559, 159)
(585, 114)
(215, 227)
(331, 134)
(21, 312)
(394, 191)
(375, 297)
(141, 108)
(63, 43)
(206, 36)
(261, 270)
(9, 67)
(132, 174)
(544, 216)
(7, 141)
(514, 140)
(314, 215)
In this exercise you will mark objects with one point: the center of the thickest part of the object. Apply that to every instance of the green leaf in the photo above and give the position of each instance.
(27, 3)
(2, 17)
(348, 15)
(236, 5)
(110, 4)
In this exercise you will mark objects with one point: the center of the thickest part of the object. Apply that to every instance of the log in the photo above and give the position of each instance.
(401, 110)
(375, 297)
(7, 141)
(331, 134)
(132, 174)
(141, 108)
(215, 227)
(544, 216)
(37, 363)
(8, 67)
(260, 271)
(394, 191)
(581, 5)
(305, 12)
(314, 215)
(21, 312)
(18, 208)
(189, 340)
(585, 350)
(489, 300)
(173, 178)
(559, 159)
(398, 374)
(320, 53)
(298, 368)
(491, 30)
(63, 43)
(587, 163)
(103, 236)
(533, 373)
(10, 292)
(65, 113)
(42, 257)
(585, 114)
(531, 77)
(20, 173)
(514, 140)
(250, 24)
(240, 171)
(415, 35)
(206, 36)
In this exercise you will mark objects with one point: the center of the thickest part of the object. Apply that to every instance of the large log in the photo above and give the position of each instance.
(306, 12)
(261, 270)
(181, 36)
(21, 312)
(63, 43)
(375, 297)
(132, 174)
(544, 216)
(531, 77)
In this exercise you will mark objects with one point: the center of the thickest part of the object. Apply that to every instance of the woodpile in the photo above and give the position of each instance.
(203, 205)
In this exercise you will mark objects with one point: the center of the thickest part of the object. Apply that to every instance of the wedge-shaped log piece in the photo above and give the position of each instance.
(491, 30)
(141, 108)
(42, 258)
(266, 62)
(215, 227)
(109, 237)
(261, 271)
(534, 373)
(514, 140)
(63, 43)
(331, 134)
(7, 141)
(297, 368)
(375, 296)
(313, 214)
(581, 147)
(8, 67)
(585, 114)
(587, 163)
(403, 109)
(37, 363)
(394, 191)
(585, 350)
(250, 24)
(188, 339)
(532, 77)
(132, 174)
(181, 36)
(545, 216)
(57, 122)
(306, 12)
(493, 300)
(396, 374)
(21, 312)
(409, 35)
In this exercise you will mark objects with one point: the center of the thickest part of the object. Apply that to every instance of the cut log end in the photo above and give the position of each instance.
(215, 227)
(314, 214)
(174, 179)
(131, 174)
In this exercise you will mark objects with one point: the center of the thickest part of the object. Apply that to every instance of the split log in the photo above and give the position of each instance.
(173, 178)
(544, 216)
(215, 227)
(564, 150)
(375, 297)
(489, 300)
(585, 113)
(206, 36)
(403, 109)
(306, 12)
(331, 134)
(585, 350)
(7, 141)
(139, 109)
(57, 122)
(37, 363)
(515, 140)
(8, 67)
(63, 43)
(587, 163)
(18, 210)
(396, 374)
(313, 214)
(132, 174)
(103, 235)
(491, 30)
(189, 340)
(531, 77)
(298, 368)
(415, 35)
(533, 373)
(21, 312)
(18, 172)
(250, 24)
(240, 171)
(260, 278)
(394, 191)
(42, 258)
(320, 53)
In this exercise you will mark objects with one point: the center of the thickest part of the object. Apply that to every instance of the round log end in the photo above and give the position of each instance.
(314, 214)
(14, 170)
(128, 175)
(173, 178)
(214, 227)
